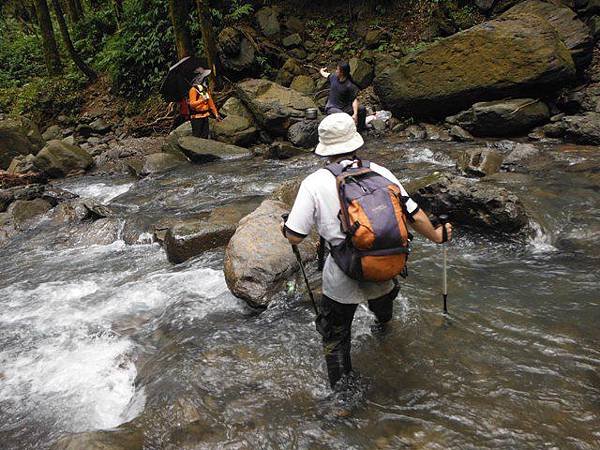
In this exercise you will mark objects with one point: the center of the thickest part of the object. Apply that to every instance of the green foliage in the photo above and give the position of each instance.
(43, 97)
(340, 36)
(238, 10)
(21, 55)
(138, 56)
(93, 31)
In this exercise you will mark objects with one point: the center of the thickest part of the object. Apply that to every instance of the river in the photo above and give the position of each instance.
(99, 336)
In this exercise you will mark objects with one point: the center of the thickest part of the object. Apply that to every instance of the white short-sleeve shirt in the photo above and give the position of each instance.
(317, 203)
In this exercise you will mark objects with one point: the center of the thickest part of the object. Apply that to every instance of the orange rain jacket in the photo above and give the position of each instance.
(202, 104)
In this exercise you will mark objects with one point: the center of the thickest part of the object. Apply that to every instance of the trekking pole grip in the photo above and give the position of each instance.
(444, 220)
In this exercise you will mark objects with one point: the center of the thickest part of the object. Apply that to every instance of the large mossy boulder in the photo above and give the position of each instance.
(235, 107)
(200, 150)
(290, 69)
(258, 259)
(573, 32)
(268, 21)
(59, 159)
(507, 57)
(484, 207)
(275, 107)
(510, 117)
(18, 137)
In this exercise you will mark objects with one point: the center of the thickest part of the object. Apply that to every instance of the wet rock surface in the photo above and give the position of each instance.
(257, 260)
(200, 150)
(469, 203)
(190, 237)
(503, 117)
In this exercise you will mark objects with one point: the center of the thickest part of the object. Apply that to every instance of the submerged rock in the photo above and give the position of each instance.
(119, 439)
(258, 259)
(470, 203)
(479, 163)
(26, 212)
(502, 117)
(500, 58)
(274, 106)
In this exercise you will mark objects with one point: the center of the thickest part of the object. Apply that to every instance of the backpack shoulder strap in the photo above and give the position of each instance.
(335, 168)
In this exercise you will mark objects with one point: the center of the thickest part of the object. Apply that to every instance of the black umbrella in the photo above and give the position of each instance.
(179, 79)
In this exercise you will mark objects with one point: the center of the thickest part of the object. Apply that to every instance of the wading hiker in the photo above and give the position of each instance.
(201, 105)
(374, 215)
(342, 94)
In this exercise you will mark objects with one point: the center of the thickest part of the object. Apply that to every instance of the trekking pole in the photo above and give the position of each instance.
(301, 264)
(444, 220)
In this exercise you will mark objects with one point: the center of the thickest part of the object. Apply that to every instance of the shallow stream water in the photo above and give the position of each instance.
(95, 336)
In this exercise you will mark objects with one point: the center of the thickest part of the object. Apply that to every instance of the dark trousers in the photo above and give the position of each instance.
(362, 115)
(334, 323)
(200, 128)
(179, 119)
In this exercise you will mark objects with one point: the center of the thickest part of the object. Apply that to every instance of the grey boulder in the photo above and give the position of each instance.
(502, 118)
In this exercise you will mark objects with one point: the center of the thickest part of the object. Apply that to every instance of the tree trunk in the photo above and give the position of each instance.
(179, 10)
(118, 4)
(79, 8)
(64, 31)
(74, 11)
(208, 36)
(51, 54)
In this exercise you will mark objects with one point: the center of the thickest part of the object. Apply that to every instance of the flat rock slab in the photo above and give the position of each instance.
(200, 150)
(510, 117)
(190, 237)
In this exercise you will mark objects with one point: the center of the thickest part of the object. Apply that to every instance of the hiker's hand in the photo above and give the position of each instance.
(219, 119)
(440, 233)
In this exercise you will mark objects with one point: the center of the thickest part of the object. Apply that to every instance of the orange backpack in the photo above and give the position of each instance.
(374, 219)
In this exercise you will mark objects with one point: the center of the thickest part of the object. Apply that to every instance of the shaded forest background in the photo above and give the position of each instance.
(51, 51)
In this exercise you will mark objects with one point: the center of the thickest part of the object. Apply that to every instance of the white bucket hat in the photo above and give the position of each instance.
(338, 135)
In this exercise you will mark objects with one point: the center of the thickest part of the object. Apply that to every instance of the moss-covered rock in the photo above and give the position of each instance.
(58, 159)
(504, 57)
(18, 137)
(274, 106)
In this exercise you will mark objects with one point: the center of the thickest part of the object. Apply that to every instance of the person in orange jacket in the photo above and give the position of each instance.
(201, 105)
